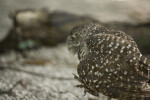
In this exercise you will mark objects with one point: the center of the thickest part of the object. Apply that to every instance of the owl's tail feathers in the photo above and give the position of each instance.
(136, 98)
(144, 93)
(138, 95)
(145, 62)
(144, 67)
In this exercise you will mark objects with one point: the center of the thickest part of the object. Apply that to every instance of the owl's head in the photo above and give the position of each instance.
(79, 34)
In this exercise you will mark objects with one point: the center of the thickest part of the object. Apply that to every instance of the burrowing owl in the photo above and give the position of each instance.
(110, 63)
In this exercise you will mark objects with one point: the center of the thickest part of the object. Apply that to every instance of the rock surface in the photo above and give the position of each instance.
(51, 80)
(46, 73)
(33, 28)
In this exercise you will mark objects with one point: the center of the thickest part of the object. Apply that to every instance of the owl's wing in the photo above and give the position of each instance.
(125, 36)
(144, 63)
(121, 47)
(124, 58)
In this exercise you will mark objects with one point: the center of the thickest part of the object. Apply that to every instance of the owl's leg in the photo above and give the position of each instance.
(108, 98)
(80, 86)
(77, 78)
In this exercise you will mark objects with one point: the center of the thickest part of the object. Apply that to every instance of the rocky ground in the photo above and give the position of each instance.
(44, 74)
(47, 73)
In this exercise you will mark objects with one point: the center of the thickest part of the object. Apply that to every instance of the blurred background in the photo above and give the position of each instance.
(33, 52)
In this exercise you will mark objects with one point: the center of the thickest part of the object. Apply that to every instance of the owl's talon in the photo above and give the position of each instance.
(76, 77)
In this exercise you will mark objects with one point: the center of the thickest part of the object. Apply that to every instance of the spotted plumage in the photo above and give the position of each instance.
(110, 63)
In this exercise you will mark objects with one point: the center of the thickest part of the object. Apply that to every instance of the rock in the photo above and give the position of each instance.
(53, 81)
(33, 28)
(118, 14)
